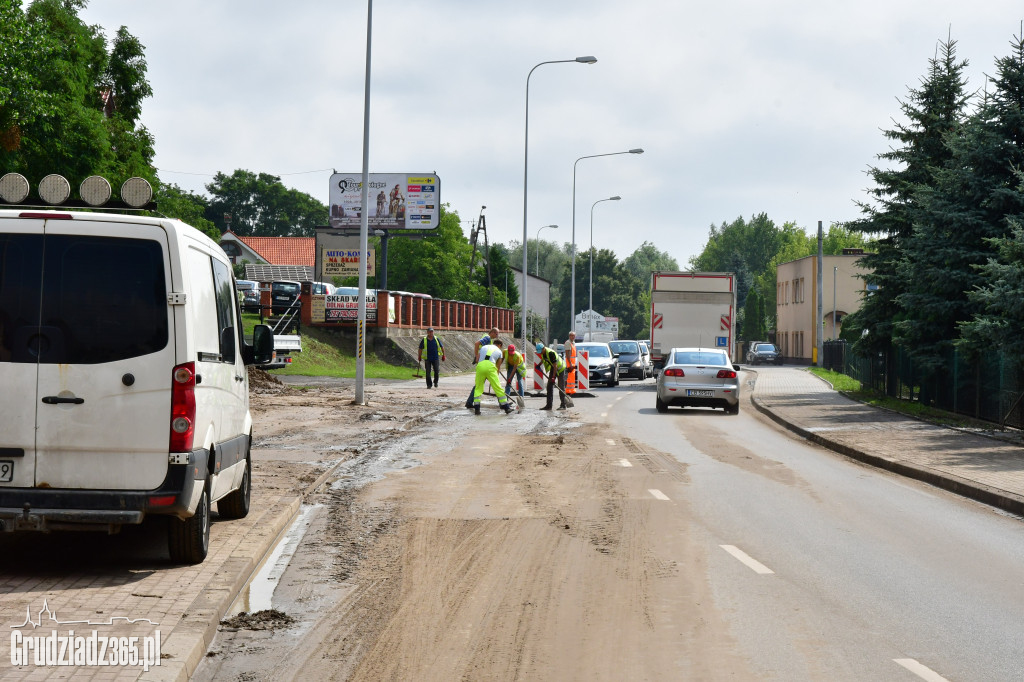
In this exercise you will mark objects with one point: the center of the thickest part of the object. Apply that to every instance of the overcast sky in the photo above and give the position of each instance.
(742, 106)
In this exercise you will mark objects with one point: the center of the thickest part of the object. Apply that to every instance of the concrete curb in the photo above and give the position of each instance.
(995, 497)
(191, 637)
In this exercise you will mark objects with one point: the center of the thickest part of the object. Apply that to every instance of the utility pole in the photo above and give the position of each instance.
(818, 323)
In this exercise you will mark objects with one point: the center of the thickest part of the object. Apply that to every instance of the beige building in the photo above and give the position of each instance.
(797, 304)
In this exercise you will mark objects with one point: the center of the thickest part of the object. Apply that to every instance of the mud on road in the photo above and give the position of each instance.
(440, 546)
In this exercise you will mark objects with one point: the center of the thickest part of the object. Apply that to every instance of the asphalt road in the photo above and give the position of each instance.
(872, 576)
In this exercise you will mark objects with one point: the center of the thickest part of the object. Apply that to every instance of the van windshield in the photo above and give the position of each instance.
(88, 300)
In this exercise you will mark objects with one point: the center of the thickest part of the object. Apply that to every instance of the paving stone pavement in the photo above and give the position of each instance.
(987, 469)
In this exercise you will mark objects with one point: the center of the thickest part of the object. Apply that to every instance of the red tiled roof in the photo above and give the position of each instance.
(283, 250)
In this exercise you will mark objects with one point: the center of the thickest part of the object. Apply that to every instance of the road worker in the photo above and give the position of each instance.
(554, 370)
(488, 366)
(476, 353)
(516, 364)
(570, 364)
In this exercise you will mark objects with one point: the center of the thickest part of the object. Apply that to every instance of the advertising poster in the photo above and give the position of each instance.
(408, 201)
(346, 307)
(345, 263)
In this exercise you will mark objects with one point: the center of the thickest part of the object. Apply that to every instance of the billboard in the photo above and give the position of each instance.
(405, 201)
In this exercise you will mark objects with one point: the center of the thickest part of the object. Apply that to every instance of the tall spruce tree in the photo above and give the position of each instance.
(970, 205)
(933, 112)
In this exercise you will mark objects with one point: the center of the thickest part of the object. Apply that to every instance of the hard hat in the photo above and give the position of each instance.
(540, 347)
(511, 348)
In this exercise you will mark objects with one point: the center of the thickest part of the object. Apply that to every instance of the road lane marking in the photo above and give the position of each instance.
(604, 414)
(922, 671)
(625, 463)
(750, 562)
(657, 494)
(609, 441)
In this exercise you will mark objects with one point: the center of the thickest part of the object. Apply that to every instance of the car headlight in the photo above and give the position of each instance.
(638, 364)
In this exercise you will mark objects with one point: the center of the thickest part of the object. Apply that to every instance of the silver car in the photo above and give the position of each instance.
(699, 377)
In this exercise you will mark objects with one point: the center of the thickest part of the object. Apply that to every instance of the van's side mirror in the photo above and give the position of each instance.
(736, 367)
(262, 349)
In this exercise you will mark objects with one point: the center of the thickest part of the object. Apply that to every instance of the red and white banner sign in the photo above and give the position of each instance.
(726, 323)
(656, 322)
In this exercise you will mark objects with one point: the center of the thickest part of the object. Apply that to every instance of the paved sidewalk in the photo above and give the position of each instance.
(976, 466)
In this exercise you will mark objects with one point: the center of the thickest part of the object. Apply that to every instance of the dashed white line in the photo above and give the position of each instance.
(609, 441)
(625, 463)
(657, 494)
(922, 671)
(747, 560)
(604, 414)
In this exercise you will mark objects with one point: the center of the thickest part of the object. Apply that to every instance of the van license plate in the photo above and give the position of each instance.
(6, 471)
(700, 393)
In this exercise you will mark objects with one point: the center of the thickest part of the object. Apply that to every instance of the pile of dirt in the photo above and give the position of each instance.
(261, 381)
(268, 619)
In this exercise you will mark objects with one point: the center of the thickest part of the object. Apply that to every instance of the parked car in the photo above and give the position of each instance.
(125, 367)
(284, 295)
(322, 289)
(762, 352)
(699, 377)
(631, 364)
(604, 368)
(250, 295)
(645, 354)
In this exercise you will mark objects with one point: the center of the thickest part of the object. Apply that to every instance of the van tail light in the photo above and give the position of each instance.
(726, 374)
(674, 373)
(183, 407)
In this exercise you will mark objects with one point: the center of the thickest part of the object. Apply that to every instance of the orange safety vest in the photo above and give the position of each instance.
(570, 360)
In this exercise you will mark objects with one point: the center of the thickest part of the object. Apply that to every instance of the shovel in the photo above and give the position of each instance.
(417, 374)
(568, 398)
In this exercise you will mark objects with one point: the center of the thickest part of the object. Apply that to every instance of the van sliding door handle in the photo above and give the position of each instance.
(57, 400)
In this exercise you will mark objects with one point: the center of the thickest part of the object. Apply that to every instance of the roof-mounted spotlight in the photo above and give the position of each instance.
(95, 190)
(54, 189)
(136, 192)
(14, 188)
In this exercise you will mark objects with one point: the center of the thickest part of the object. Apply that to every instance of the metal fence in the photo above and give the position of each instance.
(990, 387)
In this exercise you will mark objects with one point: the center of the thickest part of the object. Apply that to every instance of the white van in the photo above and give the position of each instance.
(123, 365)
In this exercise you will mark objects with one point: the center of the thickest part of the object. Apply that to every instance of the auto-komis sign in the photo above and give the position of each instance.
(345, 263)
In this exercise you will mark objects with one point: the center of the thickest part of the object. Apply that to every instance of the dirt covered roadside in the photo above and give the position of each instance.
(476, 548)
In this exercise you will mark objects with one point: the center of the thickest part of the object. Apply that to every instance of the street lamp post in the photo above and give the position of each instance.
(526, 167)
(572, 279)
(590, 322)
(537, 267)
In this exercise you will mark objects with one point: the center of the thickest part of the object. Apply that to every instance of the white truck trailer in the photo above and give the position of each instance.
(692, 309)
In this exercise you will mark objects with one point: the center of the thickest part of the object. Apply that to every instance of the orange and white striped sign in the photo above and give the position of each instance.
(583, 371)
(657, 321)
(538, 372)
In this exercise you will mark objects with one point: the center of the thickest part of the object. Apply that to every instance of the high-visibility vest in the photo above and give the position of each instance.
(548, 364)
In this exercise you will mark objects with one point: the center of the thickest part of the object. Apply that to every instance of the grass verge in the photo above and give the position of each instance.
(851, 387)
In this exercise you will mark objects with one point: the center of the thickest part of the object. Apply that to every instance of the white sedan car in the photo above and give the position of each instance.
(699, 377)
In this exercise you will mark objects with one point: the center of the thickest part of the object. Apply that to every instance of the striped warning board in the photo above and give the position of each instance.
(538, 372)
(656, 321)
(726, 323)
(583, 371)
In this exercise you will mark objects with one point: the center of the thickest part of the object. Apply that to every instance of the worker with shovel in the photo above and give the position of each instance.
(516, 364)
(435, 354)
(555, 370)
(487, 365)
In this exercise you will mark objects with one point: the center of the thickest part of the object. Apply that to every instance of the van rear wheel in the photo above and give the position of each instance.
(188, 540)
(235, 505)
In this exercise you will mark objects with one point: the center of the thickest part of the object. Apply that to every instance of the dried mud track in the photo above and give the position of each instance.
(523, 556)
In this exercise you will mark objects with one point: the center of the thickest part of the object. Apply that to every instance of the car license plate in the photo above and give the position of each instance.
(700, 393)
(6, 470)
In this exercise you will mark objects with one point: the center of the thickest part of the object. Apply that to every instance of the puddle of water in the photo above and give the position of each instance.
(258, 594)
